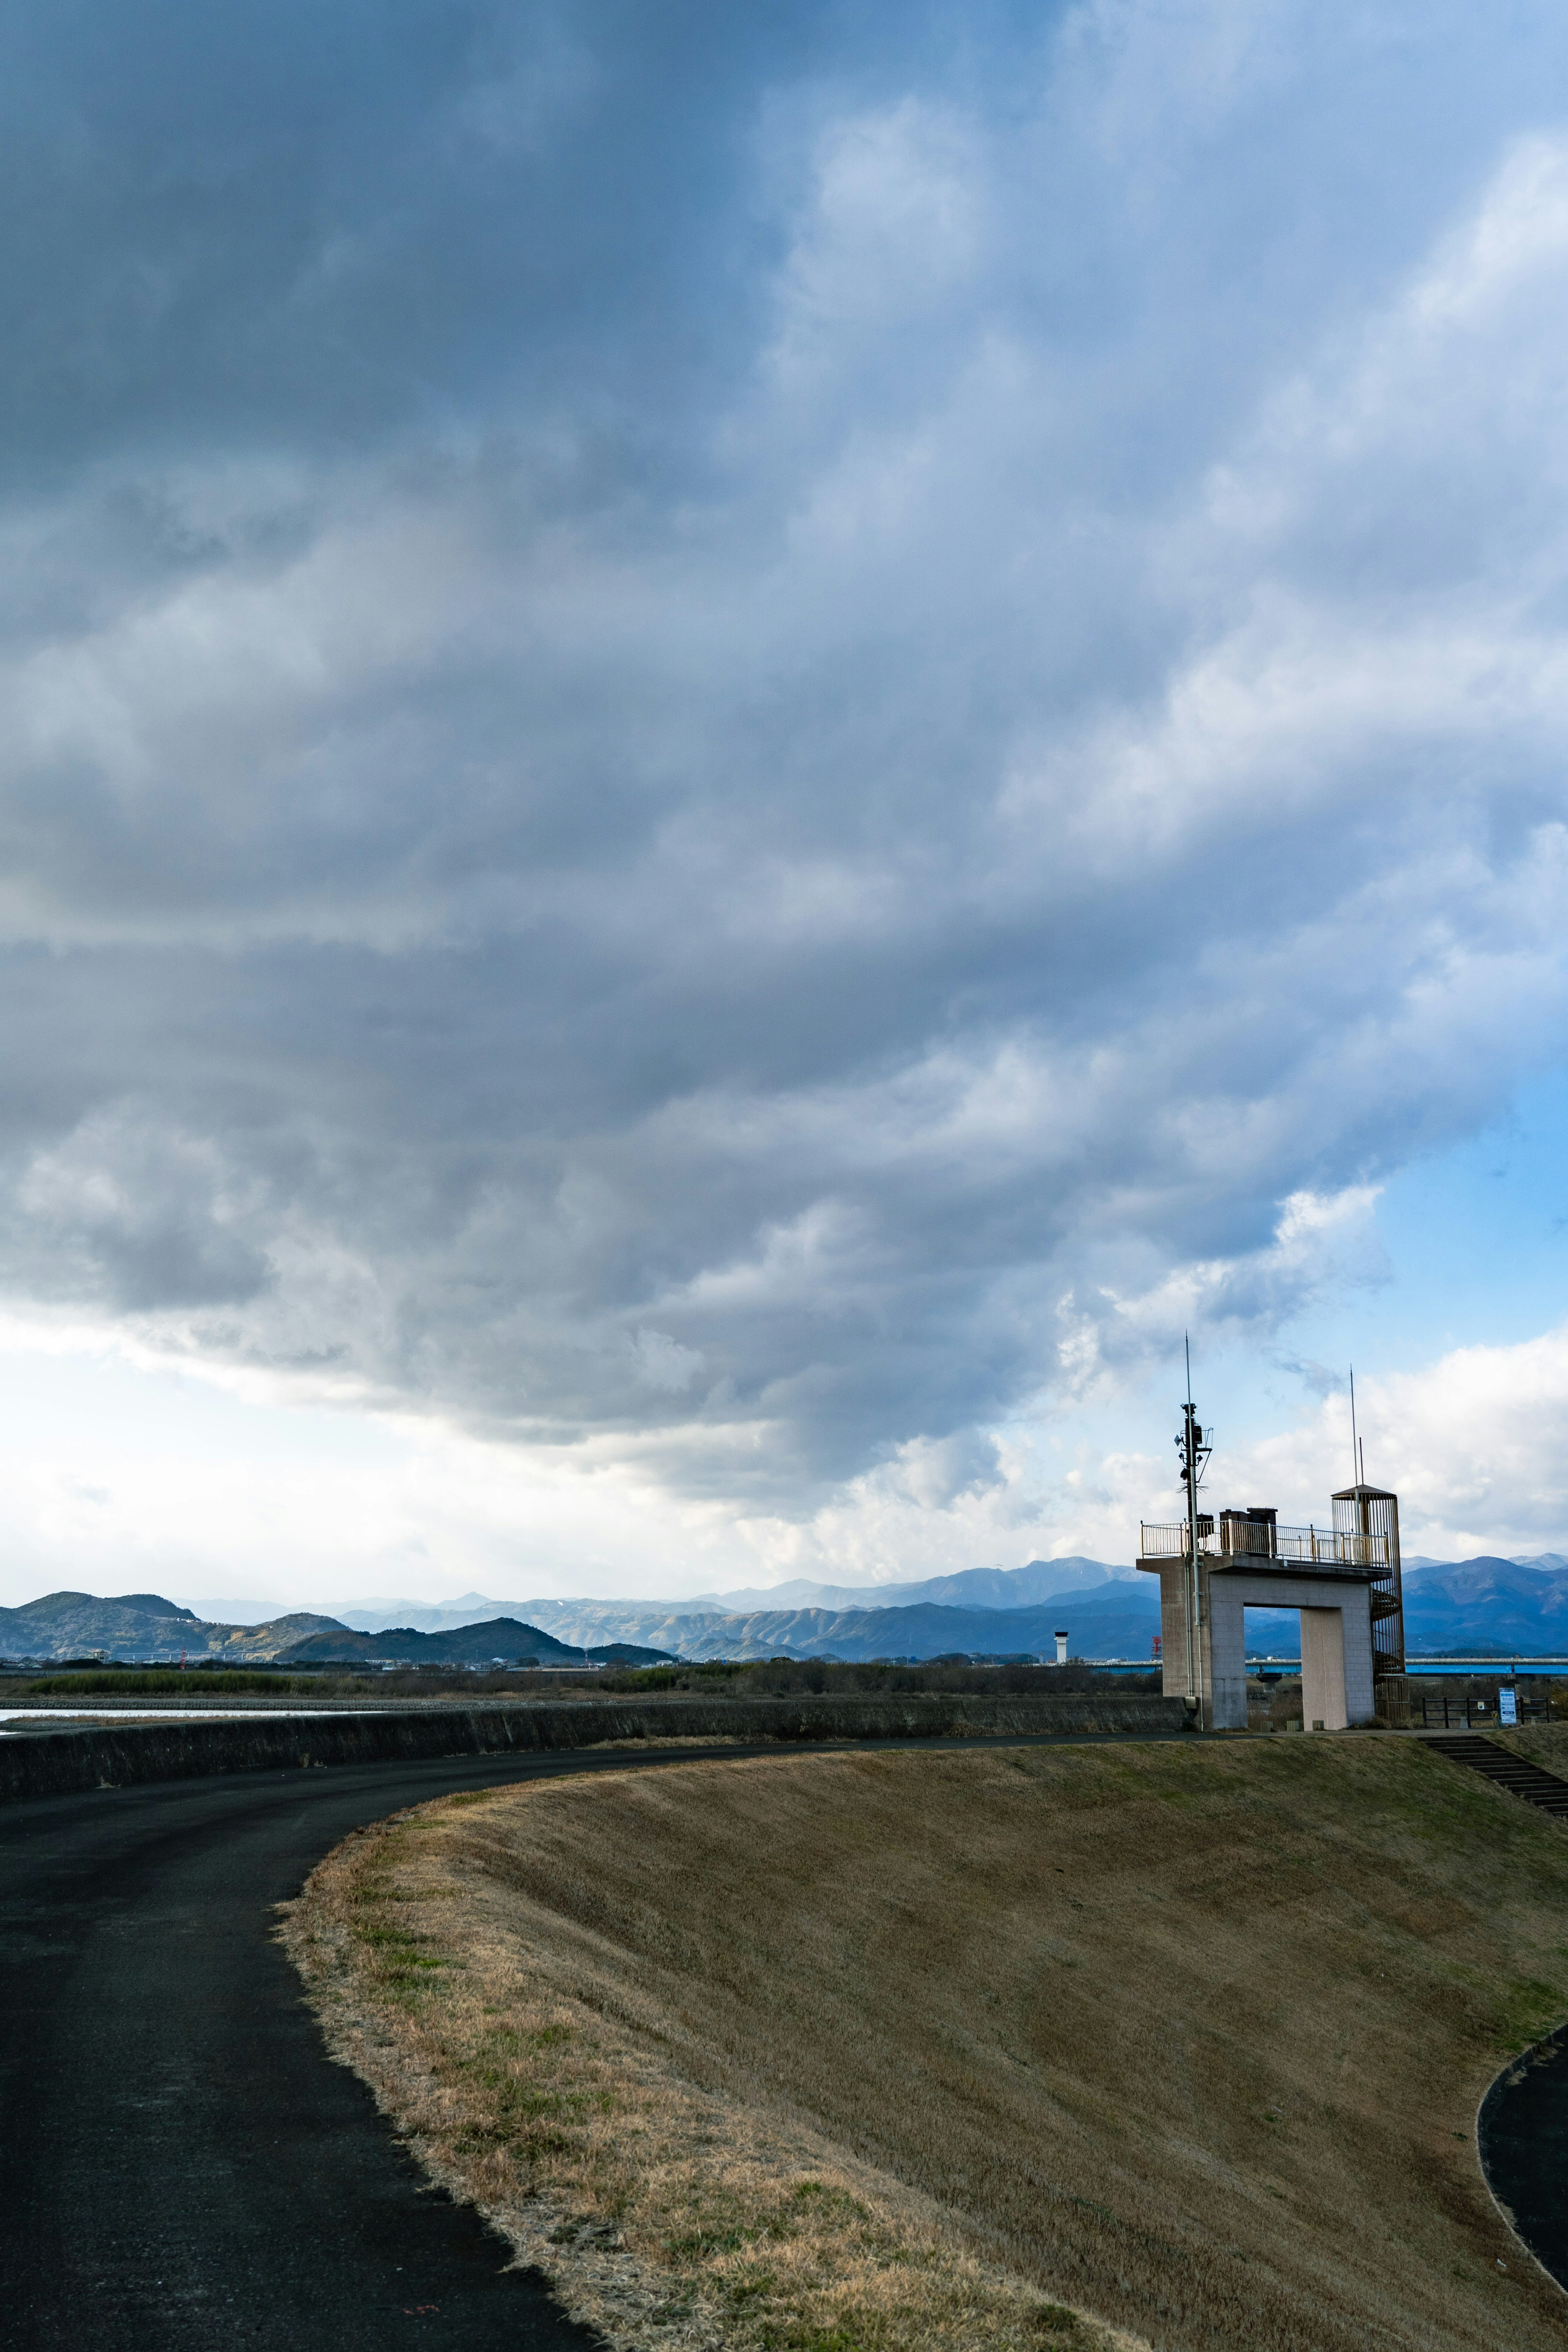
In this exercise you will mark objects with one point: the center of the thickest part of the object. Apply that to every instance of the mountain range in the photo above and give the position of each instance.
(1115, 1622)
(584, 1619)
(1114, 1617)
(143, 1627)
(1485, 1604)
(1111, 1619)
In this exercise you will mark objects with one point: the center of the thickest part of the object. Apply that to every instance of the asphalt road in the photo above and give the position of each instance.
(180, 2164)
(1523, 2135)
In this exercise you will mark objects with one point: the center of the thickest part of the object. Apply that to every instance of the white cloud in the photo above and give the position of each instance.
(1476, 1444)
(1518, 234)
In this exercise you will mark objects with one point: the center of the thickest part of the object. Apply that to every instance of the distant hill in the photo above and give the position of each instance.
(501, 1641)
(140, 1626)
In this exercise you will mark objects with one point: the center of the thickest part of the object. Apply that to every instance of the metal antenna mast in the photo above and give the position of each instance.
(1193, 1454)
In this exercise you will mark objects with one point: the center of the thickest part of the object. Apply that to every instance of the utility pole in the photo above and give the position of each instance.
(1193, 1455)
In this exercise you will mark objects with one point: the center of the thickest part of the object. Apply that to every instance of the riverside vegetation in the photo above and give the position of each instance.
(1168, 2043)
(751, 1678)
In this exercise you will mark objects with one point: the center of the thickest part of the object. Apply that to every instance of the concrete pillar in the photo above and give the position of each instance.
(1323, 1669)
(1172, 1629)
(1223, 1648)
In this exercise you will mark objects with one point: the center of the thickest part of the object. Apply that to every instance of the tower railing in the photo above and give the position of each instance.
(1309, 1547)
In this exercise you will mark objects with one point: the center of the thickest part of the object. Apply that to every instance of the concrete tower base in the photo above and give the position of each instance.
(1336, 1636)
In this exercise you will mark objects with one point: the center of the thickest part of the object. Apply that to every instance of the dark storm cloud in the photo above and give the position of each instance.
(757, 726)
(275, 222)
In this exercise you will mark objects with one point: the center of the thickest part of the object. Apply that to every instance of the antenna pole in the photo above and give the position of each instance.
(1193, 1453)
(1194, 1671)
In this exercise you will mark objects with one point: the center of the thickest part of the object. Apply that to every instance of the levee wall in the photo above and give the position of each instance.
(55, 1762)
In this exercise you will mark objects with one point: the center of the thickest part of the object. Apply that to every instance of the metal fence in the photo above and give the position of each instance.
(1403, 1709)
(1467, 1714)
(1306, 1546)
(1162, 1542)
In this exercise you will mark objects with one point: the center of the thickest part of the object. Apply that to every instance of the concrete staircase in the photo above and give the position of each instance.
(1510, 1771)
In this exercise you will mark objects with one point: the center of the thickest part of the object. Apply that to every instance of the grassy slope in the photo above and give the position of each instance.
(1545, 1744)
(1190, 2037)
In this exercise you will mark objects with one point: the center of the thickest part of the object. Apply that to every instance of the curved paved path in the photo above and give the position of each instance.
(1523, 2145)
(180, 2166)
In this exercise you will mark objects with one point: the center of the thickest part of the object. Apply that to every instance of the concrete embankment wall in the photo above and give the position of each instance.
(56, 1762)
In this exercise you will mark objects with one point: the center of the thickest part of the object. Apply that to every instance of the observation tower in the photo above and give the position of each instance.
(1344, 1579)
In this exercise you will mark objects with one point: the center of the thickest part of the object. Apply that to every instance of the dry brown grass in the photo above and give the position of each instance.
(897, 2050)
(1545, 1744)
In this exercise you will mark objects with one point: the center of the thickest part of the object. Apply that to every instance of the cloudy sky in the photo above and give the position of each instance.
(738, 745)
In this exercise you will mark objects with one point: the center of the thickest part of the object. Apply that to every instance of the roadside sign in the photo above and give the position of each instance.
(1508, 1707)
